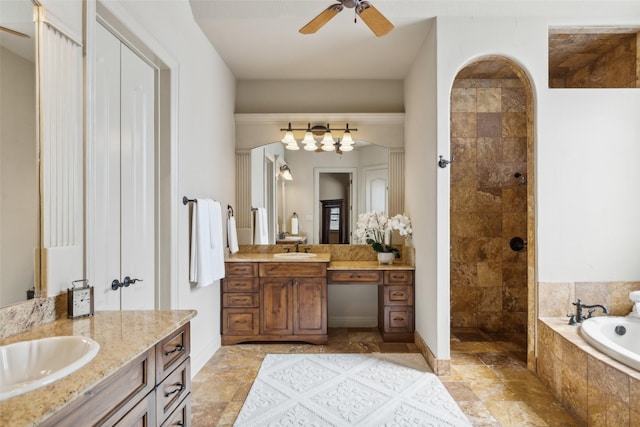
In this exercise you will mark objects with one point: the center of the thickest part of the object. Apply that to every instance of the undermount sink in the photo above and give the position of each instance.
(28, 365)
(294, 255)
(293, 238)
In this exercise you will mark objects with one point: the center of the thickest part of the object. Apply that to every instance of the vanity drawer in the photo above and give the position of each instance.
(172, 390)
(143, 414)
(355, 276)
(398, 277)
(241, 269)
(240, 284)
(240, 321)
(398, 319)
(181, 416)
(398, 295)
(293, 269)
(109, 401)
(172, 351)
(241, 300)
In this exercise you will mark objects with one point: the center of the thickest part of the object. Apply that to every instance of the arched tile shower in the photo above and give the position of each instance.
(491, 202)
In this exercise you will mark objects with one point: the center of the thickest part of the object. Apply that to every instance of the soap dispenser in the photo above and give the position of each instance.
(294, 224)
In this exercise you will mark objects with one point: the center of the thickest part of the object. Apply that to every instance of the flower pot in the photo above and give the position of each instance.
(386, 257)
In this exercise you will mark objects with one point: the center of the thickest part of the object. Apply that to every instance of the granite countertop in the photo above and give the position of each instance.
(320, 257)
(270, 257)
(122, 335)
(366, 265)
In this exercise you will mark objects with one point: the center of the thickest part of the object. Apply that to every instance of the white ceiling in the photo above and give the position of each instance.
(259, 39)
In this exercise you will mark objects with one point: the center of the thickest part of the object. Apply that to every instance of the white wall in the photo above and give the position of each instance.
(421, 181)
(205, 148)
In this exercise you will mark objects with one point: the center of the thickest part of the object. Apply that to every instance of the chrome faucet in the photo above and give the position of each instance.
(579, 316)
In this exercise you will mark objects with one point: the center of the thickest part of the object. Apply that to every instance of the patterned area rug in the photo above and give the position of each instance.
(348, 390)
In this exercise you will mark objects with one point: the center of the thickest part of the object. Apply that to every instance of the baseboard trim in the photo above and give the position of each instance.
(440, 367)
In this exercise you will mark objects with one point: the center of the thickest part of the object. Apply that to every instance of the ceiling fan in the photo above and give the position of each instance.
(364, 9)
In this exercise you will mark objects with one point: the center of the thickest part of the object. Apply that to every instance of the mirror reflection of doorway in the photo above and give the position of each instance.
(335, 206)
(333, 222)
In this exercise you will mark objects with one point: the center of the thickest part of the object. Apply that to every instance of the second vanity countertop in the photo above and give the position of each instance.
(320, 257)
(122, 335)
(271, 257)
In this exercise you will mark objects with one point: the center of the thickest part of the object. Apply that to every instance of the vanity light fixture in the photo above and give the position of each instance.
(309, 142)
(286, 172)
(327, 143)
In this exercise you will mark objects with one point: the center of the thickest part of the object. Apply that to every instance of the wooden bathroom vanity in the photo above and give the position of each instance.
(267, 299)
(140, 376)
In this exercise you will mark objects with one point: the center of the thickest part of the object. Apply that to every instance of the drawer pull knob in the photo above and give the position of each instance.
(178, 347)
(398, 318)
(398, 294)
(179, 388)
(240, 321)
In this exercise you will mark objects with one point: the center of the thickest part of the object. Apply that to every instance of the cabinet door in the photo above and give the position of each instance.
(276, 306)
(309, 306)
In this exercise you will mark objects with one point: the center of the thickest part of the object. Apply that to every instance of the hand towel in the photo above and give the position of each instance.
(207, 252)
(261, 231)
(232, 235)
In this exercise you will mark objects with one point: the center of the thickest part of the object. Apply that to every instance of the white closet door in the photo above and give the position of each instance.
(124, 168)
(137, 189)
(106, 211)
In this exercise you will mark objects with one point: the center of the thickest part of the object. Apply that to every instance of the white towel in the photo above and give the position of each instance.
(232, 235)
(207, 251)
(261, 230)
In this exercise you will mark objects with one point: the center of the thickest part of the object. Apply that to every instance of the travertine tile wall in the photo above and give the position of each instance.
(488, 205)
(596, 389)
(619, 68)
(554, 299)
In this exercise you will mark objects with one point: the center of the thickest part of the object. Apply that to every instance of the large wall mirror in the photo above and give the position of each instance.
(325, 193)
(19, 182)
(324, 190)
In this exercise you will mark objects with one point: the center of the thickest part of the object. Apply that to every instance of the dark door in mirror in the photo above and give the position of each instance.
(333, 222)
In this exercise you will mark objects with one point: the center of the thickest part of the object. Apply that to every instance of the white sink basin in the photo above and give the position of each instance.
(294, 255)
(293, 238)
(28, 365)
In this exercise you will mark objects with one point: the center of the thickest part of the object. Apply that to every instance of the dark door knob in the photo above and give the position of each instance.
(116, 284)
(129, 281)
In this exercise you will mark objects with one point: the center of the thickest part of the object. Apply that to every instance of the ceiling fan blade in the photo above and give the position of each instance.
(376, 21)
(14, 32)
(319, 21)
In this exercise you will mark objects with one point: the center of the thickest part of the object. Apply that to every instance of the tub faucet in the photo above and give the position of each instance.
(579, 317)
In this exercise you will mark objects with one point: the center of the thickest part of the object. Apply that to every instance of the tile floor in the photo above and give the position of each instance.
(488, 379)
